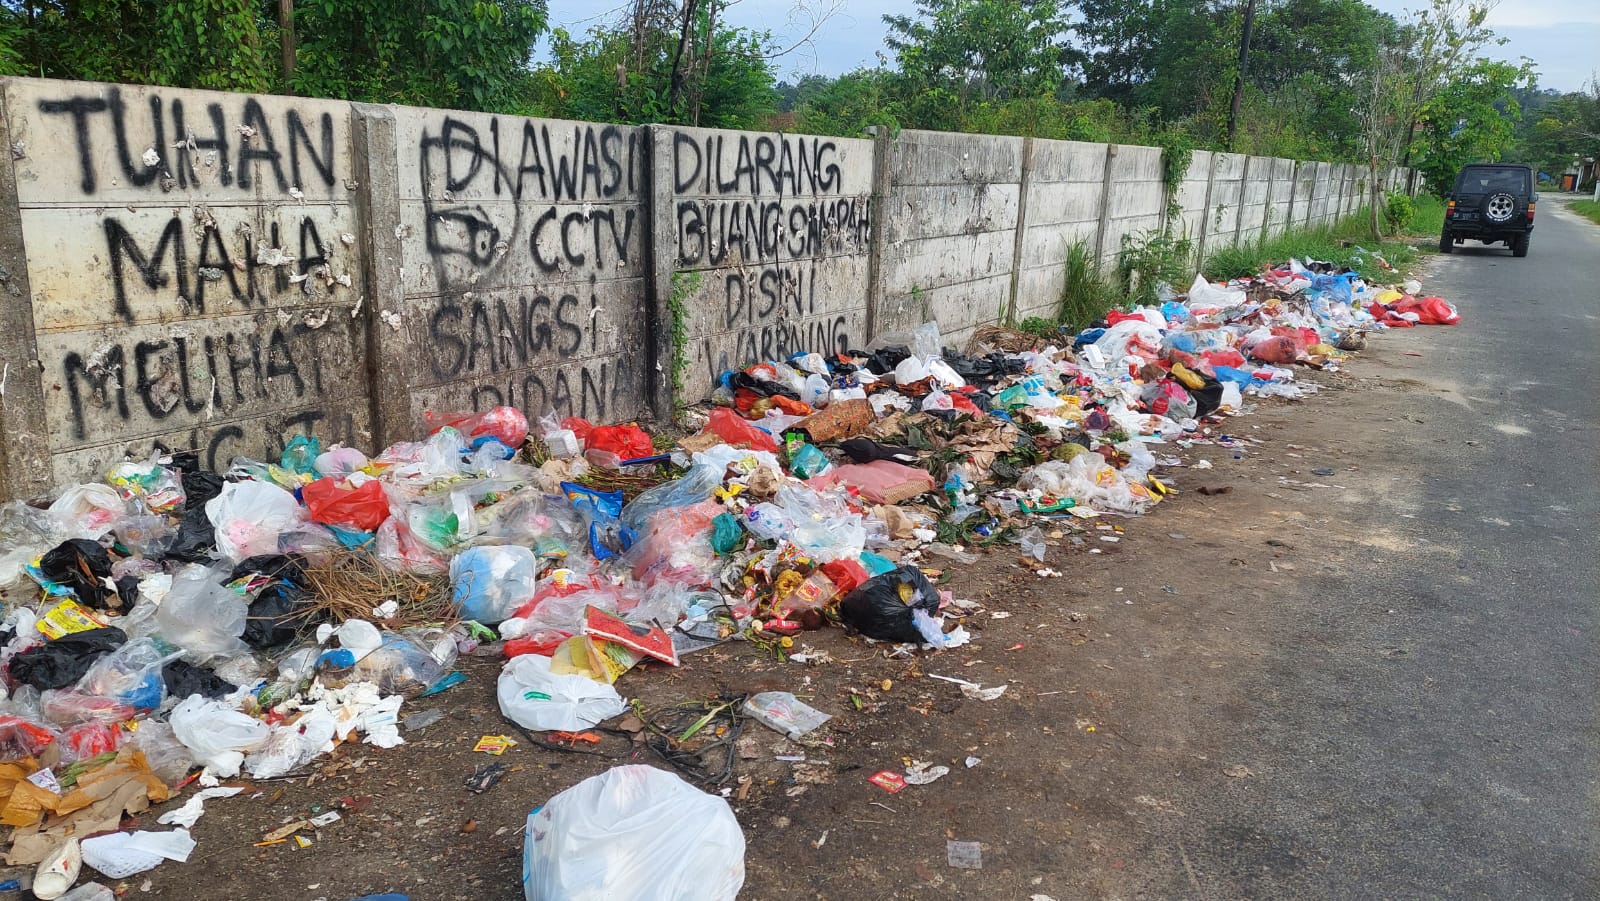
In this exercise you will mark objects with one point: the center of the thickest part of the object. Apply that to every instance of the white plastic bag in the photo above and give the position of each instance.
(119, 855)
(292, 746)
(218, 735)
(249, 516)
(537, 699)
(633, 833)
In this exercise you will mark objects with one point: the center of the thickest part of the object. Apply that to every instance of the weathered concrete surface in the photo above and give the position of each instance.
(522, 247)
(771, 242)
(1064, 195)
(193, 264)
(950, 231)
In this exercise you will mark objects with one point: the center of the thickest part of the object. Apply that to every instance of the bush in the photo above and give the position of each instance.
(1398, 211)
(1039, 326)
(1151, 258)
(1086, 295)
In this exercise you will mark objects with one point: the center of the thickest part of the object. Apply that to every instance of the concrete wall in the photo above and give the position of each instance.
(187, 269)
(950, 230)
(187, 264)
(522, 265)
(1063, 192)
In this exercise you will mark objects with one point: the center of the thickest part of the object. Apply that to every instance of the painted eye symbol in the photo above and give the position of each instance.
(479, 236)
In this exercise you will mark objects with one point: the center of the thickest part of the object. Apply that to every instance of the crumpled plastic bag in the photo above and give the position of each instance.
(249, 516)
(534, 698)
(633, 833)
(202, 615)
(492, 582)
(218, 735)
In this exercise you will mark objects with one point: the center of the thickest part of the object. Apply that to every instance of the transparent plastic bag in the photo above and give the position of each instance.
(88, 511)
(926, 342)
(202, 615)
(695, 486)
(633, 832)
(131, 674)
(168, 758)
(292, 745)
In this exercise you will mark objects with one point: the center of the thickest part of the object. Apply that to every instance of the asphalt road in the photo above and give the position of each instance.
(1419, 717)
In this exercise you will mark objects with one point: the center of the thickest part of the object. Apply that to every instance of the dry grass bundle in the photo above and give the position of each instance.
(350, 586)
(998, 337)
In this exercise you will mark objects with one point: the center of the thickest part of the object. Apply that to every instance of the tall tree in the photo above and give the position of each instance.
(1472, 118)
(1432, 47)
(953, 53)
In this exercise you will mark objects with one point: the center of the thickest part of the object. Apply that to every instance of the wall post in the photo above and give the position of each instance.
(1105, 208)
(661, 252)
(1205, 210)
(1244, 190)
(1009, 316)
(882, 177)
(377, 203)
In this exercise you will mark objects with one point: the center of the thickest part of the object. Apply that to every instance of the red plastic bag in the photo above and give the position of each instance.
(1277, 350)
(738, 431)
(542, 642)
(364, 508)
(628, 442)
(1224, 358)
(1429, 310)
(846, 573)
(506, 425)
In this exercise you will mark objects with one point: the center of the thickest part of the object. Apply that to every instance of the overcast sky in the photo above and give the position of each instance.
(1562, 37)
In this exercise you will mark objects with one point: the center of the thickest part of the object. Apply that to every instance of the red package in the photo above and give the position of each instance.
(651, 642)
(1429, 310)
(964, 403)
(1277, 350)
(364, 508)
(1224, 358)
(628, 442)
(506, 425)
(738, 431)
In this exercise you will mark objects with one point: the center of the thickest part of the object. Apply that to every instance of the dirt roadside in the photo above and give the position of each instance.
(1109, 666)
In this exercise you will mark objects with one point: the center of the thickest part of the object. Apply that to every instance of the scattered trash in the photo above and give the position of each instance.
(249, 621)
(920, 772)
(782, 712)
(889, 781)
(486, 777)
(495, 744)
(964, 855)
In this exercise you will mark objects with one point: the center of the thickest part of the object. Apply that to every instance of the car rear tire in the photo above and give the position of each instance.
(1519, 246)
(1447, 242)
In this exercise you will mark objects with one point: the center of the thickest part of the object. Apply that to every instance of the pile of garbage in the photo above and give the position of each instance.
(171, 619)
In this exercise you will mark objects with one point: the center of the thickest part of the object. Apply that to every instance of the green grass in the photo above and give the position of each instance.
(1346, 243)
(1429, 219)
(1588, 209)
(1087, 293)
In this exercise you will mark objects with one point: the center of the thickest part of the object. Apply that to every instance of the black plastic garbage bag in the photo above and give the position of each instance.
(277, 615)
(865, 450)
(83, 566)
(184, 679)
(196, 538)
(1207, 398)
(984, 371)
(63, 661)
(881, 606)
(281, 606)
(884, 359)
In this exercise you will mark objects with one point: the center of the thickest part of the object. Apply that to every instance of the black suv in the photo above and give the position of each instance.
(1492, 202)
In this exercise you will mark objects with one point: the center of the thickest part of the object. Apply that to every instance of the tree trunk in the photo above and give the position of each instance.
(1373, 197)
(286, 42)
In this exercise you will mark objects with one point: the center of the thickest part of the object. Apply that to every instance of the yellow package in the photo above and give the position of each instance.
(66, 618)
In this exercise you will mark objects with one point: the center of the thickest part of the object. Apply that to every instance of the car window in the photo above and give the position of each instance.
(1479, 181)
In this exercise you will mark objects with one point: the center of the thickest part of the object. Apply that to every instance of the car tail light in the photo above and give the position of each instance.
(1530, 211)
(1450, 209)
